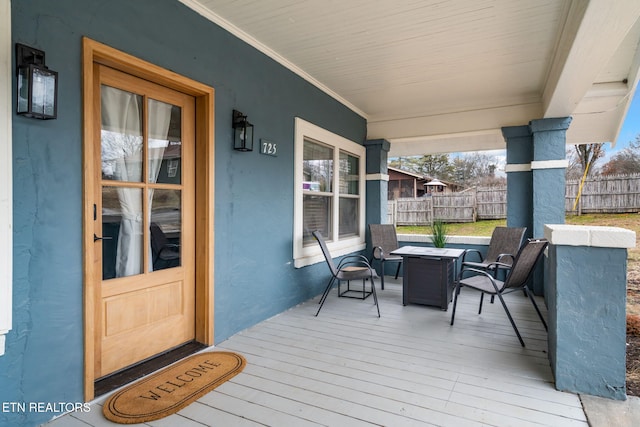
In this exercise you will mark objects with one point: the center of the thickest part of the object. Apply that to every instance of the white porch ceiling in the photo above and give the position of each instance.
(446, 75)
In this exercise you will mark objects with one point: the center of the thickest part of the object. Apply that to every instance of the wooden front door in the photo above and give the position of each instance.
(143, 219)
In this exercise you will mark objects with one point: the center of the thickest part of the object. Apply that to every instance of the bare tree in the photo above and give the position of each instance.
(473, 168)
(574, 168)
(626, 161)
(432, 165)
(469, 169)
(586, 155)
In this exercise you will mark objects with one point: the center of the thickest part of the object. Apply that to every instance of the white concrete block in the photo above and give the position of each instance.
(568, 235)
(595, 236)
(613, 237)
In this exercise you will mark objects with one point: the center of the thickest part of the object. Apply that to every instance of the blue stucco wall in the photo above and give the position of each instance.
(586, 295)
(254, 274)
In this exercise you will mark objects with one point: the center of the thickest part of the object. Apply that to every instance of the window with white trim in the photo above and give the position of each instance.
(329, 193)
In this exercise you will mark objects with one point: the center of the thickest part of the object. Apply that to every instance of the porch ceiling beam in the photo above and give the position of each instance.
(441, 144)
(457, 131)
(611, 106)
(583, 51)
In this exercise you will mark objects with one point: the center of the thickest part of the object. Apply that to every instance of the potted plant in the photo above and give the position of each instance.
(443, 271)
(439, 234)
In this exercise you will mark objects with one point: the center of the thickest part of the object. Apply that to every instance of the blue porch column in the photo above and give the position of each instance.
(548, 167)
(586, 297)
(519, 178)
(377, 180)
(536, 167)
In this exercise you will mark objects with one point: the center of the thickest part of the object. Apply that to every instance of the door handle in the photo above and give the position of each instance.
(96, 238)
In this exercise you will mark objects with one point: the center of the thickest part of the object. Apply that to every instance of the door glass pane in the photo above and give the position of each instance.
(121, 135)
(165, 228)
(317, 167)
(165, 142)
(349, 174)
(122, 226)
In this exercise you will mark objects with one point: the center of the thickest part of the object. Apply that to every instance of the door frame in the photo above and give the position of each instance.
(96, 52)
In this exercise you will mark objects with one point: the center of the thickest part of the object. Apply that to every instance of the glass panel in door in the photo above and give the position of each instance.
(165, 228)
(148, 197)
(121, 147)
(165, 201)
(165, 144)
(121, 135)
(122, 237)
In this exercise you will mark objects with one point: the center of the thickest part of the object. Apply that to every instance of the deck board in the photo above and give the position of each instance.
(347, 367)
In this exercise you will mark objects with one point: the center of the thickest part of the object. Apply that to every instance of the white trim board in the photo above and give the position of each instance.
(518, 167)
(377, 177)
(6, 175)
(549, 164)
(536, 165)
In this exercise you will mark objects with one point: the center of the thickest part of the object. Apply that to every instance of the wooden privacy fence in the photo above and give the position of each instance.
(410, 211)
(602, 194)
(454, 207)
(467, 206)
(491, 202)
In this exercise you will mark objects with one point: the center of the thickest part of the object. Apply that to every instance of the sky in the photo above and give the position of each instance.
(630, 129)
(631, 125)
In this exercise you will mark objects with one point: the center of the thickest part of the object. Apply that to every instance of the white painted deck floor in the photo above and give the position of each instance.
(347, 367)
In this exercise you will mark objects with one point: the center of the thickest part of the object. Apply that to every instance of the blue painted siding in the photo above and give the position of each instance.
(254, 274)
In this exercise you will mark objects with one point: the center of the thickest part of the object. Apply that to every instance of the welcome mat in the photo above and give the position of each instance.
(171, 389)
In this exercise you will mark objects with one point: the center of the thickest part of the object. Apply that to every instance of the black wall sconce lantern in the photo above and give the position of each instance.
(37, 85)
(242, 132)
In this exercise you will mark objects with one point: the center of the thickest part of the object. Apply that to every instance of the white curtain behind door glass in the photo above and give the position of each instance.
(122, 161)
(159, 121)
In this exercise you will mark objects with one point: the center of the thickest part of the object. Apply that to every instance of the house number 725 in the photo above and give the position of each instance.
(269, 148)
